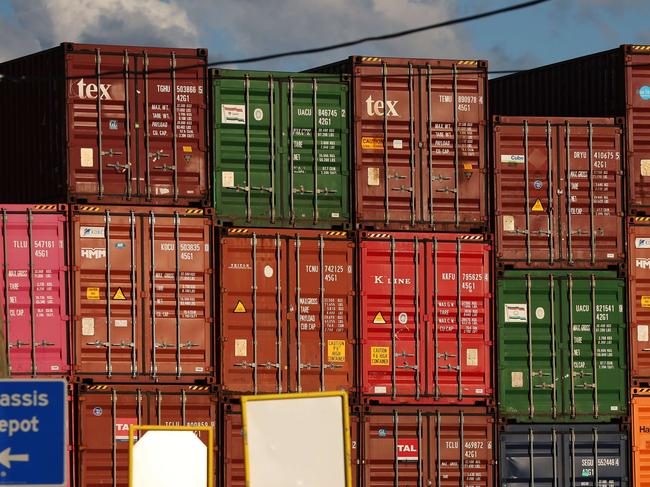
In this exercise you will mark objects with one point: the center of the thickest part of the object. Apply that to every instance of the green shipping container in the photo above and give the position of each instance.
(562, 346)
(280, 149)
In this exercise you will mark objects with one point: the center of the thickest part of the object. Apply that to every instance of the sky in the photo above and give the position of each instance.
(235, 29)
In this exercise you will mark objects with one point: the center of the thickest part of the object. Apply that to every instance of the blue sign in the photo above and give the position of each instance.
(33, 432)
(644, 92)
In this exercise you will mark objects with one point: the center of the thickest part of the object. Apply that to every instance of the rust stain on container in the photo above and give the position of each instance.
(287, 311)
(410, 445)
(142, 286)
(421, 141)
(110, 124)
(104, 413)
(568, 212)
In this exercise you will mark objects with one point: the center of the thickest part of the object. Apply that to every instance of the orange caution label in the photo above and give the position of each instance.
(379, 319)
(119, 295)
(92, 293)
(645, 301)
(372, 143)
(336, 350)
(380, 356)
(239, 308)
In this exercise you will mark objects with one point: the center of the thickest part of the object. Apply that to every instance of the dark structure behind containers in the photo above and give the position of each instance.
(105, 124)
(612, 83)
(420, 142)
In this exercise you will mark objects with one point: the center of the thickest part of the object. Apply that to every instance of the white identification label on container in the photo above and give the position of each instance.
(508, 223)
(227, 179)
(645, 167)
(517, 379)
(240, 347)
(121, 323)
(540, 313)
(373, 176)
(472, 357)
(513, 158)
(642, 333)
(335, 215)
(516, 313)
(380, 390)
(268, 271)
(92, 232)
(87, 326)
(642, 243)
(233, 114)
(397, 144)
(87, 159)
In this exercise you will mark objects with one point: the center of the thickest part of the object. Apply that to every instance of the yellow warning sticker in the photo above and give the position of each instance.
(92, 293)
(372, 143)
(467, 166)
(645, 301)
(538, 206)
(336, 350)
(379, 319)
(187, 148)
(379, 355)
(119, 295)
(239, 308)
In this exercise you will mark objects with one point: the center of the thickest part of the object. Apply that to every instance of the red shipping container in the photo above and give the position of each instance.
(420, 127)
(142, 286)
(34, 284)
(111, 124)
(287, 311)
(233, 469)
(570, 211)
(638, 235)
(104, 414)
(445, 447)
(415, 289)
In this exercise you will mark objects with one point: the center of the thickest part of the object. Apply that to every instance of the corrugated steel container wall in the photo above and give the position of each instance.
(34, 283)
(276, 137)
(640, 405)
(233, 470)
(109, 124)
(614, 83)
(104, 414)
(425, 329)
(445, 447)
(638, 236)
(562, 346)
(570, 211)
(142, 286)
(563, 455)
(287, 311)
(420, 132)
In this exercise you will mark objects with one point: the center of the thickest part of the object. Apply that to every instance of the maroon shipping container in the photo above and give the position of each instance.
(142, 287)
(287, 311)
(413, 446)
(233, 470)
(34, 284)
(105, 124)
(614, 83)
(104, 414)
(425, 309)
(420, 142)
(558, 192)
(638, 234)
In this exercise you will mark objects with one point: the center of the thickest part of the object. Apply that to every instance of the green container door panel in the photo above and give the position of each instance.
(594, 321)
(528, 349)
(246, 184)
(575, 361)
(317, 121)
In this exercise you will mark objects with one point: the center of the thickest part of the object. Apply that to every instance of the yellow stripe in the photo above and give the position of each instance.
(194, 211)
(468, 63)
(89, 208)
(45, 207)
(199, 388)
(642, 219)
(98, 388)
(373, 59)
(378, 235)
(336, 234)
(641, 48)
(238, 230)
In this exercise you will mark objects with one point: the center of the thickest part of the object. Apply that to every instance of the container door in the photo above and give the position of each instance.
(639, 300)
(104, 415)
(315, 145)
(392, 318)
(321, 316)
(592, 207)
(388, 176)
(641, 436)
(453, 110)
(178, 259)
(527, 218)
(246, 144)
(106, 259)
(595, 458)
(459, 341)
(532, 458)
(637, 80)
(529, 366)
(253, 300)
(35, 291)
(593, 346)
(233, 469)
